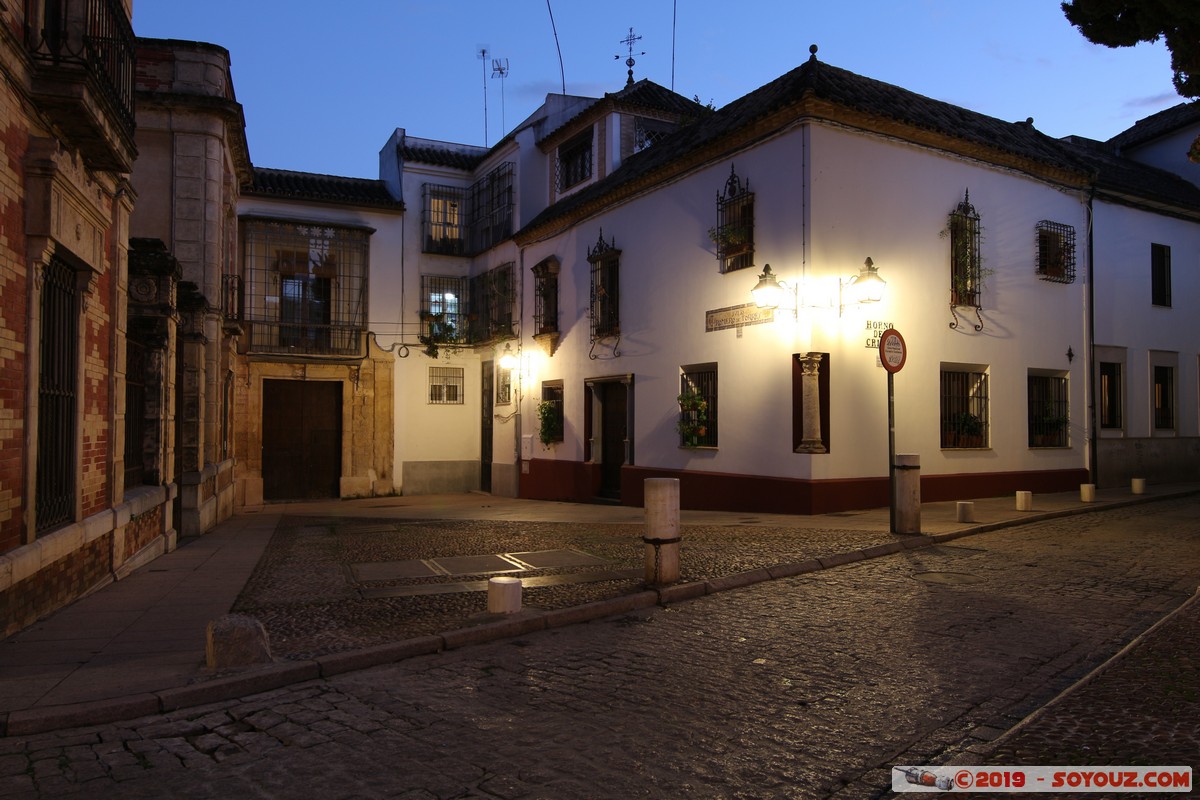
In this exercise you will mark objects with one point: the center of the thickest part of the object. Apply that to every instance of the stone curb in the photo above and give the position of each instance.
(42, 720)
(984, 750)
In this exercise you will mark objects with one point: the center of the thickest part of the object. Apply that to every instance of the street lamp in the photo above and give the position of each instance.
(865, 287)
(769, 292)
(507, 359)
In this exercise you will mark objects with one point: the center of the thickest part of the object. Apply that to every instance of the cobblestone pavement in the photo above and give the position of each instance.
(812, 686)
(304, 595)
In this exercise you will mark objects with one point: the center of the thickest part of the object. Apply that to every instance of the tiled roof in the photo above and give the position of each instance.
(644, 94)
(291, 185)
(441, 157)
(1113, 174)
(1156, 125)
(887, 104)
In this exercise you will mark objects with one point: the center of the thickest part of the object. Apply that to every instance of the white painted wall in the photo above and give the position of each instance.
(863, 196)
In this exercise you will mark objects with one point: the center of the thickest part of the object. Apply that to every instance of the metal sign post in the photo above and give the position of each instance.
(892, 353)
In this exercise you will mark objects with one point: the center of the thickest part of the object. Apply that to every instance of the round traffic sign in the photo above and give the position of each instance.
(892, 350)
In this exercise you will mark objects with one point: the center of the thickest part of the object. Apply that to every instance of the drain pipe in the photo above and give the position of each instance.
(1090, 342)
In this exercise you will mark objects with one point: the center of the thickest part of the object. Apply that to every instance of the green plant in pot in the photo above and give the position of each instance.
(693, 418)
(550, 424)
(966, 429)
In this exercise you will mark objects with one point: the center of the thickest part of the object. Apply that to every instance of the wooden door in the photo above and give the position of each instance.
(302, 439)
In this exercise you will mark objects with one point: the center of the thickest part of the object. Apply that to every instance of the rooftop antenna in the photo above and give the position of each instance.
(500, 70)
(554, 28)
(481, 52)
(629, 62)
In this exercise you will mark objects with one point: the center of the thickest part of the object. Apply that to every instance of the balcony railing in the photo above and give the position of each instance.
(84, 49)
(287, 338)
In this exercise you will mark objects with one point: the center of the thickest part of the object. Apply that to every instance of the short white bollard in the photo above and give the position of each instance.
(504, 595)
(662, 530)
(1139, 486)
(1087, 492)
(907, 513)
(966, 511)
(1024, 501)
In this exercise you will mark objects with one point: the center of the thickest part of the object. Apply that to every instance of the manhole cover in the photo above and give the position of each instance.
(947, 577)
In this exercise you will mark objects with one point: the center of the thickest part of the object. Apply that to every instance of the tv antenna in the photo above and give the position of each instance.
(500, 70)
(629, 62)
(481, 52)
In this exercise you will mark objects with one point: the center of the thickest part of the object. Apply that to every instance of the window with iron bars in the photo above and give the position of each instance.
(442, 210)
(605, 304)
(1160, 275)
(648, 132)
(545, 296)
(1055, 252)
(966, 269)
(490, 209)
(444, 307)
(964, 407)
(445, 385)
(1164, 398)
(305, 287)
(551, 420)
(135, 411)
(493, 296)
(574, 164)
(1111, 395)
(1049, 411)
(697, 424)
(734, 233)
(57, 397)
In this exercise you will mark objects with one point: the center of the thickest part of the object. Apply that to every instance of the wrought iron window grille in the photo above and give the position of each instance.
(574, 162)
(734, 232)
(966, 266)
(1049, 411)
(964, 409)
(1055, 252)
(605, 300)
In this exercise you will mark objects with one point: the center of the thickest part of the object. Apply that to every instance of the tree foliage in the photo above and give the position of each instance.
(1124, 23)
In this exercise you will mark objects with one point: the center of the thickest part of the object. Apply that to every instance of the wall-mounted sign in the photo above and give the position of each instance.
(874, 331)
(720, 319)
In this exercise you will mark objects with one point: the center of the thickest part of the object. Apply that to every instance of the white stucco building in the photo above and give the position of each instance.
(1043, 288)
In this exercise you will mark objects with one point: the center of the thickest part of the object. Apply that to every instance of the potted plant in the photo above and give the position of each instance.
(1048, 426)
(693, 418)
(441, 332)
(550, 422)
(965, 430)
(729, 239)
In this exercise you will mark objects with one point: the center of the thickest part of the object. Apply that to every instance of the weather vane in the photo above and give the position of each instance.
(629, 62)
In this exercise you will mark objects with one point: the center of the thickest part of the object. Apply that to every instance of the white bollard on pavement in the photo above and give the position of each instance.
(1087, 492)
(1138, 485)
(662, 530)
(504, 595)
(966, 511)
(1024, 501)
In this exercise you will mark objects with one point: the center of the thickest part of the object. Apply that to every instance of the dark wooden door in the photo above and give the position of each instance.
(302, 439)
(614, 431)
(486, 424)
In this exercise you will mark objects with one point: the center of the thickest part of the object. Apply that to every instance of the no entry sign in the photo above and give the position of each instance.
(892, 351)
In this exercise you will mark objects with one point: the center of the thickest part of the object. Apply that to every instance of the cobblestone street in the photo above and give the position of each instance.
(812, 686)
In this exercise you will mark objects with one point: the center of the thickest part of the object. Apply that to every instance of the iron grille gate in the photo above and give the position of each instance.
(57, 400)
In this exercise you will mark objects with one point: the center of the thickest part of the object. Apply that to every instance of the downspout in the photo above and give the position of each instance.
(1089, 368)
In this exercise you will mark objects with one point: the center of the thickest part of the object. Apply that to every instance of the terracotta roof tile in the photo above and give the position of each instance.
(291, 185)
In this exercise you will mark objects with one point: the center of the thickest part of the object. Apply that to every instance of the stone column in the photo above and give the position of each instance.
(810, 391)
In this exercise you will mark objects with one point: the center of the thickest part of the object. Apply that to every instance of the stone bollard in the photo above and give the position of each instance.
(662, 530)
(504, 595)
(908, 494)
(1024, 501)
(1087, 492)
(236, 640)
(966, 511)
(1138, 485)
